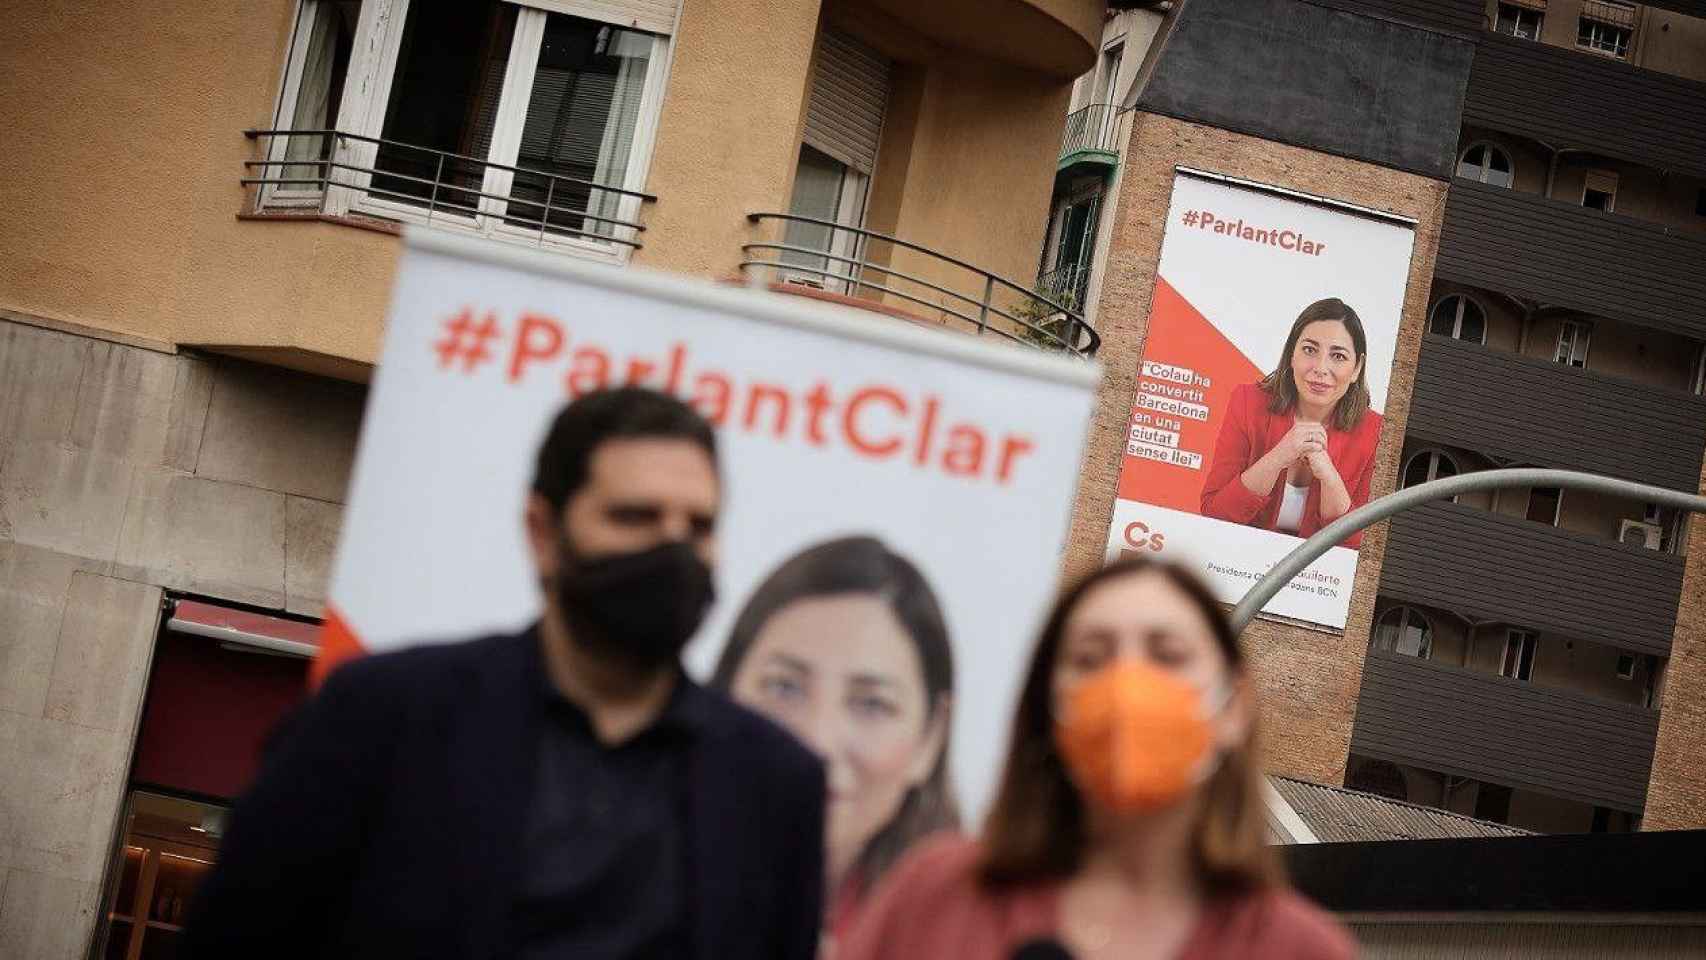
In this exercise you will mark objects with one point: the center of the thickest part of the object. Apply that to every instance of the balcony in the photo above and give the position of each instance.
(1089, 141)
(1570, 100)
(1561, 254)
(328, 174)
(1468, 724)
(1486, 566)
(1533, 411)
(1056, 37)
(859, 267)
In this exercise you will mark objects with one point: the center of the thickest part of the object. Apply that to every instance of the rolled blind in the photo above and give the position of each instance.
(844, 117)
(652, 16)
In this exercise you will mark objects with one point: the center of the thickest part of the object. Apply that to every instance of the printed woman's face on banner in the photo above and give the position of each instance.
(841, 673)
(1324, 363)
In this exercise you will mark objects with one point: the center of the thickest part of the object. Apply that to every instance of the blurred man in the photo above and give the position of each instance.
(564, 792)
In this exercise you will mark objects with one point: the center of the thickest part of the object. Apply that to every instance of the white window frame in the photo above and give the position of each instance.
(1404, 613)
(1457, 320)
(367, 92)
(1108, 78)
(1630, 673)
(1520, 638)
(1487, 167)
(282, 196)
(1580, 333)
(1520, 9)
(1600, 29)
(1699, 386)
(1602, 178)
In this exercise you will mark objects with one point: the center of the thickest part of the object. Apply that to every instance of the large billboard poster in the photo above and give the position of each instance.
(1261, 387)
(904, 494)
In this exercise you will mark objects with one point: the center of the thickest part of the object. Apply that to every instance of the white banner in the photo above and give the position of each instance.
(959, 455)
(1271, 310)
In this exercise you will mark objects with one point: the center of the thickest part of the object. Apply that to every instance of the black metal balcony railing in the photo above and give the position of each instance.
(441, 185)
(1090, 129)
(1529, 410)
(1487, 566)
(1067, 284)
(1000, 307)
(1457, 721)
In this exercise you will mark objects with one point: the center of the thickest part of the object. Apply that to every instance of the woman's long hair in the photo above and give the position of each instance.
(863, 565)
(1036, 830)
(1281, 387)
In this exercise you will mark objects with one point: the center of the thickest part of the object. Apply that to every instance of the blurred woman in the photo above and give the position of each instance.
(845, 645)
(1129, 820)
(1296, 450)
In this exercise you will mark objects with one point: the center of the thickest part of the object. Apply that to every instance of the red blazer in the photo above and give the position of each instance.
(932, 905)
(1248, 432)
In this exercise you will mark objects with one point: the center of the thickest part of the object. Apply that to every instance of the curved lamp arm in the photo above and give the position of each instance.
(1400, 500)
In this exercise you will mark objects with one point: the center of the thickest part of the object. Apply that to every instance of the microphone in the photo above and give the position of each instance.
(1041, 948)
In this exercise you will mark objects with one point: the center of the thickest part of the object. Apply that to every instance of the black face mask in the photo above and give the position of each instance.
(639, 607)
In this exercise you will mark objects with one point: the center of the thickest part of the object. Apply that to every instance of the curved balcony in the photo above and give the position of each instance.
(860, 265)
(1089, 140)
(1056, 37)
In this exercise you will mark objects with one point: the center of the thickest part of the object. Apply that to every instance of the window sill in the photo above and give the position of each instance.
(349, 220)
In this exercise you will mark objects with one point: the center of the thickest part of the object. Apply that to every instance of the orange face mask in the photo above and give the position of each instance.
(1135, 738)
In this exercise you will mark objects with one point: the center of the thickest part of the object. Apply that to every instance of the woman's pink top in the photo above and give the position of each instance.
(932, 905)
(1248, 432)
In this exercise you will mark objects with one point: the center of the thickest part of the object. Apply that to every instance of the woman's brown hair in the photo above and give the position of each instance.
(1281, 388)
(1035, 831)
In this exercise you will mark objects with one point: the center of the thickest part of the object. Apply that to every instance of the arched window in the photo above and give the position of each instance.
(1404, 630)
(1485, 163)
(1460, 318)
(1425, 465)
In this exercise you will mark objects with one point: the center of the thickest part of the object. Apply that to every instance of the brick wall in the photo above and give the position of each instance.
(1676, 789)
(1308, 678)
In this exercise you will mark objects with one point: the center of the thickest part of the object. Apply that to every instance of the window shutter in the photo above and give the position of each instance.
(652, 16)
(844, 117)
(1602, 180)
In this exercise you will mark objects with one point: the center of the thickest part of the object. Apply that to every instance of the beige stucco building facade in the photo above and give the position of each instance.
(182, 352)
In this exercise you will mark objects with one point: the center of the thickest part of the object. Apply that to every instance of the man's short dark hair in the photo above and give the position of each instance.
(620, 413)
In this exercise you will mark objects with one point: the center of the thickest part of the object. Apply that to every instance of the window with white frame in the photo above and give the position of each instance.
(1426, 465)
(1404, 630)
(1460, 318)
(1485, 163)
(513, 120)
(1625, 666)
(1606, 28)
(1518, 660)
(845, 109)
(1573, 338)
(1699, 385)
(1521, 20)
(312, 93)
(1108, 72)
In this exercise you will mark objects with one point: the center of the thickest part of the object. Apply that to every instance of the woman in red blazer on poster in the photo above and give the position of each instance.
(1296, 450)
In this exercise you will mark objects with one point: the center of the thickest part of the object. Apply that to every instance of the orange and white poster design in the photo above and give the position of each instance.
(1261, 387)
(848, 440)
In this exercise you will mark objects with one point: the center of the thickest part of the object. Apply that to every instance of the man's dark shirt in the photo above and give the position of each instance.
(395, 817)
(603, 873)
